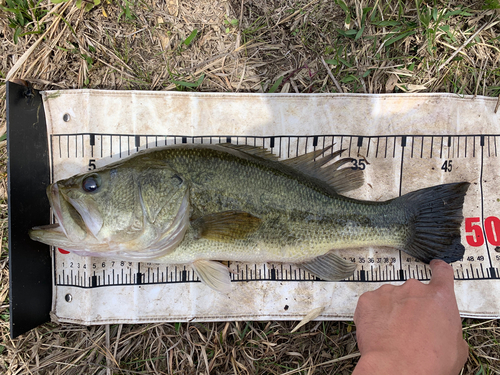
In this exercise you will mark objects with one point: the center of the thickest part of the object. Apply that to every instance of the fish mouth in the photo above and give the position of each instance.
(54, 226)
(55, 202)
(66, 214)
(42, 232)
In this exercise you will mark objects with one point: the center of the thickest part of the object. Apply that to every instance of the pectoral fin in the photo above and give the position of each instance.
(329, 267)
(226, 226)
(214, 274)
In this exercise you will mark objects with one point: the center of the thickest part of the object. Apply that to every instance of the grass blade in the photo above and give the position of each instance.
(276, 85)
(399, 37)
(190, 84)
(191, 37)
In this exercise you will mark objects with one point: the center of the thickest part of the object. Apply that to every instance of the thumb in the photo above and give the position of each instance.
(442, 274)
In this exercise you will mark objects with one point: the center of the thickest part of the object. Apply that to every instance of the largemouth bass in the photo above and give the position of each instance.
(200, 204)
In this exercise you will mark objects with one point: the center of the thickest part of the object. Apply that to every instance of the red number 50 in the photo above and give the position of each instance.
(491, 227)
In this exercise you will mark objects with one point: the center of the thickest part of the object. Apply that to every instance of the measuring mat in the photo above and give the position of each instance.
(401, 142)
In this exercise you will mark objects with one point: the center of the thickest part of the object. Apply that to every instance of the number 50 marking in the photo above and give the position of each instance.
(491, 228)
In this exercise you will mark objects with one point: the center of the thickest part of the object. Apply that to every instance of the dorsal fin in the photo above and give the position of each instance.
(252, 150)
(341, 180)
(303, 162)
(313, 164)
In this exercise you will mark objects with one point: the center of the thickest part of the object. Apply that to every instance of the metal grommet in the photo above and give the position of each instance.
(66, 117)
(68, 297)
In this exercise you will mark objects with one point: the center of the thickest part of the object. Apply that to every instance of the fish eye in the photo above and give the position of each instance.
(91, 183)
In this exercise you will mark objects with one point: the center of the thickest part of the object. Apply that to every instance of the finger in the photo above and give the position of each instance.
(442, 274)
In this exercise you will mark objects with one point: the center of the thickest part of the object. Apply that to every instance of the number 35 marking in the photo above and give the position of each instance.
(358, 164)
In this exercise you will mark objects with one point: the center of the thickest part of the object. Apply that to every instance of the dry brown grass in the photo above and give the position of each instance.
(252, 46)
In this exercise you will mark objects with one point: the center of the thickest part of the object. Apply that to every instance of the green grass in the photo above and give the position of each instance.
(24, 17)
(87, 4)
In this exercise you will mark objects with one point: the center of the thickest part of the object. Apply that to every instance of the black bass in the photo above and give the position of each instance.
(200, 204)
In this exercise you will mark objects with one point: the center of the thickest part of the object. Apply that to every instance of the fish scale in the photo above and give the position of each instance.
(292, 196)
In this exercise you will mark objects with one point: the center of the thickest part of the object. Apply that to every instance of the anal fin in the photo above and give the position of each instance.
(329, 267)
(213, 274)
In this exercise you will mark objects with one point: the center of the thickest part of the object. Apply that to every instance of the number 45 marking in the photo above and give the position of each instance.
(447, 166)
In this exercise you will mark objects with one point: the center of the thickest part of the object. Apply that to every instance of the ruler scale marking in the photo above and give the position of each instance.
(403, 146)
(109, 277)
(481, 190)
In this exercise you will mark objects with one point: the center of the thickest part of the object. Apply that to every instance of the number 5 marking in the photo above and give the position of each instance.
(472, 224)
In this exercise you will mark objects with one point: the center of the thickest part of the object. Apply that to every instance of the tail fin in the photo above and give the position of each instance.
(435, 217)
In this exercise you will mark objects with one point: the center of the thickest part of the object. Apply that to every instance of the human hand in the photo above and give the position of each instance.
(411, 329)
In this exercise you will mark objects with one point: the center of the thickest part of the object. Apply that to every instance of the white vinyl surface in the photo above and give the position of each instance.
(402, 142)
